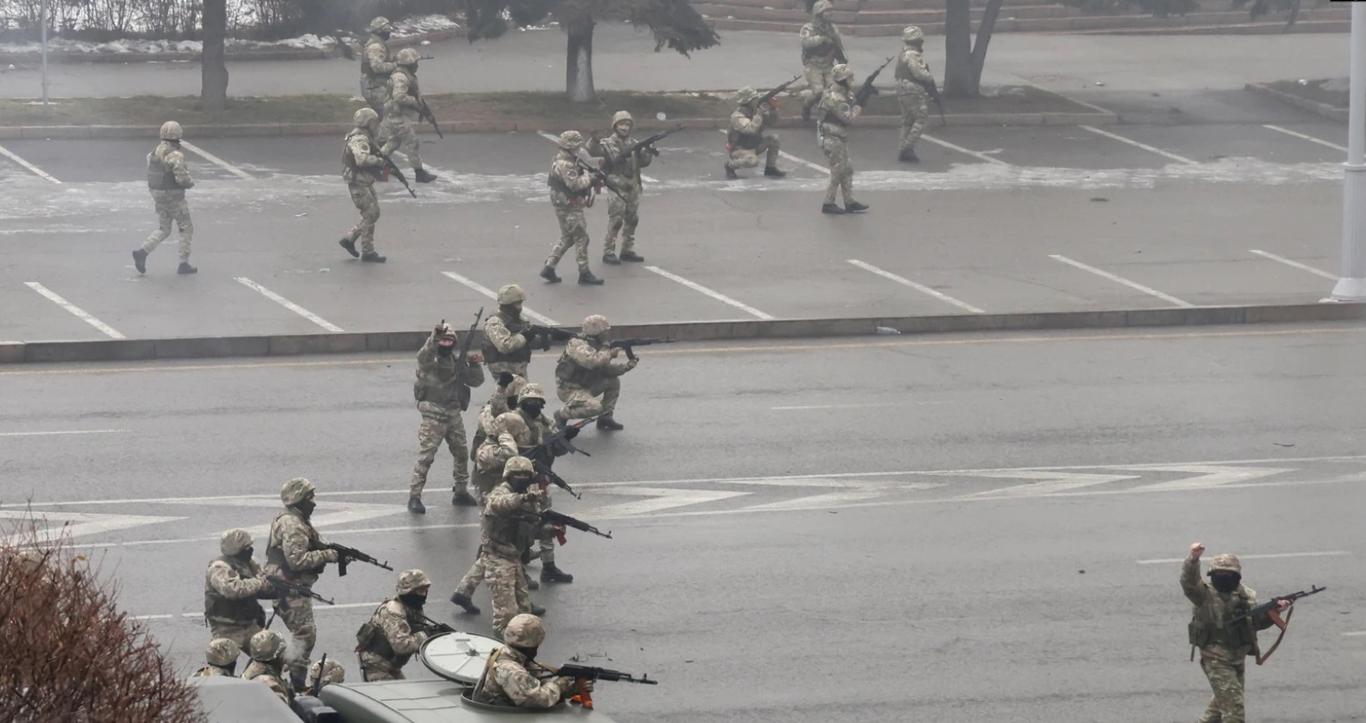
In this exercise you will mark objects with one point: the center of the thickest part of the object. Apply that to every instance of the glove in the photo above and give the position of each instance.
(504, 378)
(571, 432)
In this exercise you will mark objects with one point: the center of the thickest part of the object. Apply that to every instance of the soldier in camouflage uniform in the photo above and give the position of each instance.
(330, 671)
(442, 391)
(402, 112)
(396, 629)
(361, 167)
(822, 47)
(513, 678)
(167, 178)
(295, 554)
(749, 135)
(912, 74)
(589, 369)
(503, 400)
(1224, 647)
(571, 191)
(837, 112)
(529, 437)
(507, 336)
(268, 664)
(232, 585)
(376, 66)
(509, 523)
(623, 170)
(221, 656)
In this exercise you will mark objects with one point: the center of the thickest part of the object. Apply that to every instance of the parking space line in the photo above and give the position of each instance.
(554, 139)
(965, 151)
(282, 301)
(1306, 137)
(712, 293)
(1121, 280)
(1293, 264)
(75, 311)
(794, 159)
(918, 287)
(1136, 144)
(34, 169)
(486, 291)
(211, 158)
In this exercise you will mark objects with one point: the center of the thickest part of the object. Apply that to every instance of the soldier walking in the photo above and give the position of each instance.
(750, 135)
(167, 178)
(396, 630)
(232, 586)
(296, 554)
(588, 376)
(402, 110)
(361, 167)
(571, 191)
(822, 48)
(376, 65)
(912, 75)
(837, 112)
(442, 390)
(623, 170)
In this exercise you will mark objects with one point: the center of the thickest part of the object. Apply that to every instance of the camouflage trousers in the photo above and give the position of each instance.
(573, 232)
(374, 92)
(374, 668)
(363, 195)
(397, 134)
(240, 634)
(817, 79)
(583, 402)
(841, 172)
(749, 157)
(915, 115)
(474, 577)
(1226, 680)
(171, 207)
(440, 425)
(622, 217)
(297, 615)
(508, 587)
(515, 368)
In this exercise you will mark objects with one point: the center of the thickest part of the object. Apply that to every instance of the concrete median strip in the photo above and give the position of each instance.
(407, 341)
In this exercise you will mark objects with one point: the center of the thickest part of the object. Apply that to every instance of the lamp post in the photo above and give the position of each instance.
(1351, 285)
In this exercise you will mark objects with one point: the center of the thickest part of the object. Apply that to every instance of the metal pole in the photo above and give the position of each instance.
(1351, 285)
(43, 15)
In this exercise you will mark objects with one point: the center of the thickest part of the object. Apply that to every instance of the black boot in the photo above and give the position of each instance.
(586, 278)
(908, 156)
(854, 206)
(423, 175)
(370, 257)
(186, 268)
(140, 260)
(416, 507)
(773, 172)
(462, 498)
(731, 175)
(537, 610)
(465, 602)
(607, 424)
(349, 244)
(548, 273)
(611, 258)
(631, 256)
(551, 573)
(831, 208)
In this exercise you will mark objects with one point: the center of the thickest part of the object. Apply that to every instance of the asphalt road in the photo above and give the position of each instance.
(955, 528)
(995, 220)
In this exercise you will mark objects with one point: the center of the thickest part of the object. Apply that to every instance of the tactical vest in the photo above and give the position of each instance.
(491, 353)
(438, 384)
(903, 69)
(508, 534)
(370, 638)
(569, 372)
(160, 177)
(824, 51)
(1204, 629)
(365, 67)
(745, 141)
(557, 184)
(832, 119)
(239, 612)
(622, 165)
(275, 555)
(349, 158)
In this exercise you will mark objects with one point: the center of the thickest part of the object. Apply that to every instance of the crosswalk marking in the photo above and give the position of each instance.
(1049, 482)
(85, 524)
(659, 499)
(1206, 476)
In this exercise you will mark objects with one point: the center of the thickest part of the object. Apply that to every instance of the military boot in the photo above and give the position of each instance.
(607, 424)
(854, 206)
(548, 273)
(463, 498)
(537, 610)
(774, 172)
(140, 260)
(424, 176)
(465, 602)
(531, 583)
(416, 507)
(551, 573)
(731, 175)
(631, 256)
(586, 278)
(611, 258)
(349, 244)
(370, 257)
(186, 268)
(831, 208)
(908, 156)
(298, 677)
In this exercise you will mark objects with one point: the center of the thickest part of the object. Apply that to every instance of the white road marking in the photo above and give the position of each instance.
(917, 286)
(1050, 482)
(75, 311)
(31, 168)
(62, 432)
(712, 293)
(1136, 144)
(541, 319)
(84, 524)
(556, 140)
(1121, 280)
(964, 151)
(1294, 264)
(211, 158)
(811, 407)
(1269, 556)
(794, 159)
(1354, 634)
(282, 301)
(1306, 137)
(318, 607)
(1206, 476)
(1081, 102)
(660, 499)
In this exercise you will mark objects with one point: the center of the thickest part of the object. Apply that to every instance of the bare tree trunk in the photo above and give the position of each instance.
(578, 75)
(959, 79)
(213, 62)
(979, 47)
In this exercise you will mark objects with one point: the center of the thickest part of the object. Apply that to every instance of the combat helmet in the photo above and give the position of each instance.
(234, 541)
(571, 140)
(1225, 563)
(266, 646)
(518, 465)
(746, 95)
(407, 56)
(296, 490)
(222, 652)
(596, 325)
(524, 631)
(821, 7)
(532, 390)
(841, 72)
(171, 131)
(912, 34)
(410, 580)
(622, 116)
(380, 24)
(365, 118)
(511, 294)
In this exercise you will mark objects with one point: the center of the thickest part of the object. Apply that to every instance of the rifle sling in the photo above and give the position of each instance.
(1284, 625)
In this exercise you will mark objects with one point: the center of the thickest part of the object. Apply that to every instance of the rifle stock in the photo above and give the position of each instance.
(393, 169)
(426, 112)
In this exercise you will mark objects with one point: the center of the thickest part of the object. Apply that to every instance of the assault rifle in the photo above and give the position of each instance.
(1269, 607)
(651, 141)
(598, 176)
(424, 112)
(430, 624)
(462, 362)
(770, 95)
(560, 440)
(558, 518)
(545, 471)
(347, 555)
(546, 334)
(393, 169)
(589, 672)
(938, 99)
(628, 345)
(282, 587)
(867, 90)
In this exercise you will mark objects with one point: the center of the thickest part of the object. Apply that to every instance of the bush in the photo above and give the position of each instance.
(69, 653)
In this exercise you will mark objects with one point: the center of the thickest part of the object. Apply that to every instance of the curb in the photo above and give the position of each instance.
(340, 128)
(1318, 108)
(407, 341)
(237, 56)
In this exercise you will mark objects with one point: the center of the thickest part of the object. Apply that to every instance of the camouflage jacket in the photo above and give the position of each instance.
(569, 186)
(586, 362)
(508, 680)
(272, 675)
(441, 382)
(622, 169)
(911, 72)
(837, 111)
(375, 64)
(211, 671)
(403, 95)
(510, 521)
(166, 169)
(231, 587)
(1210, 628)
(295, 552)
(820, 42)
(505, 348)
(361, 162)
(393, 642)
